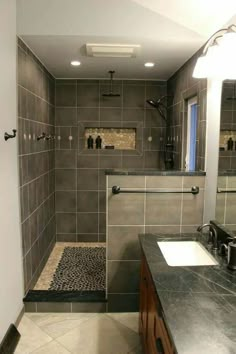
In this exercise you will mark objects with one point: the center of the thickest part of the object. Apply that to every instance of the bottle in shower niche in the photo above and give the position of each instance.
(90, 142)
(230, 144)
(98, 142)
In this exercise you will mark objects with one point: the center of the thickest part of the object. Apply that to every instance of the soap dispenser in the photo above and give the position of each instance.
(232, 254)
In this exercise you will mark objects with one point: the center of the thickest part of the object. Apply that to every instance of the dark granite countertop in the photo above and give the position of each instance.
(130, 172)
(198, 303)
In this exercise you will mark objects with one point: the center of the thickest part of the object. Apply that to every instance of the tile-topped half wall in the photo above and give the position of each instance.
(226, 202)
(131, 214)
(80, 178)
(180, 87)
(36, 162)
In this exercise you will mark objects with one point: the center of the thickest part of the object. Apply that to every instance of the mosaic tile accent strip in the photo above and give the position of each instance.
(80, 268)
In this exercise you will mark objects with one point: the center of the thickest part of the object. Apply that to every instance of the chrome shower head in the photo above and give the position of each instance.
(111, 93)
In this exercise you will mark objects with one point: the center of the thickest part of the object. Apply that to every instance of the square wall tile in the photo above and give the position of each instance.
(123, 277)
(65, 201)
(126, 181)
(65, 159)
(123, 242)
(126, 209)
(66, 95)
(65, 179)
(192, 212)
(87, 179)
(87, 223)
(134, 96)
(87, 238)
(163, 209)
(66, 222)
(66, 116)
(87, 201)
(164, 182)
(123, 302)
(87, 95)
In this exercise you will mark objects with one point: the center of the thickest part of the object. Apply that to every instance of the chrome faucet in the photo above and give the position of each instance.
(213, 237)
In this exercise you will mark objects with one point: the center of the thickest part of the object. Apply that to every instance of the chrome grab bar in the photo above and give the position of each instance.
(117, 190)
(224, 190)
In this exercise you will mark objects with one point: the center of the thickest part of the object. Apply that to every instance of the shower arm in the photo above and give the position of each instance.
(111, 81)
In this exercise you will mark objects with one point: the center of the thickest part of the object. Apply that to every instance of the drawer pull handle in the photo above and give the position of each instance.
(159, 346)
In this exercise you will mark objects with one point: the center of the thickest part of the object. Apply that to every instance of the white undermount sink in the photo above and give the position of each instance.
(186, 253)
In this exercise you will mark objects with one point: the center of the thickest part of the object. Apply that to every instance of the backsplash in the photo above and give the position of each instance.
(80, 177)
(36, 163)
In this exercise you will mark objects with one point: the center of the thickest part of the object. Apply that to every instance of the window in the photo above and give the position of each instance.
(191, 135)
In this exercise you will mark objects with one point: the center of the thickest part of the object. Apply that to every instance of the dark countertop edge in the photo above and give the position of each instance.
(117, 172)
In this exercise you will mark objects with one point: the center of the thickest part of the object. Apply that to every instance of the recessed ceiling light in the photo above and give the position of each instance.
(149, 65)
(75, 62)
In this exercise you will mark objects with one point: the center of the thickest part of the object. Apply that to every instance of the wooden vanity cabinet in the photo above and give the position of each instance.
(151, 325)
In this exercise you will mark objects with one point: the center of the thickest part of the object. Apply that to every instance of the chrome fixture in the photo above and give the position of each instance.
(213, 237)
(111, 93)
(218, 58)
(159, 105)
(42, 136)
(50, 137)
(116, 190)
(10, 136)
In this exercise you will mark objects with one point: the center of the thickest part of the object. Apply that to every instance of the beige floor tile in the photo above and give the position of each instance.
(100, 335)
(51, 348)
(32, 337)
(58, 324)
(130, 320)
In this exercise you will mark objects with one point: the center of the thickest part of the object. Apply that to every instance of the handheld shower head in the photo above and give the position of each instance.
(159, 105)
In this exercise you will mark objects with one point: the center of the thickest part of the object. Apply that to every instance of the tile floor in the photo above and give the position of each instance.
(82, 333)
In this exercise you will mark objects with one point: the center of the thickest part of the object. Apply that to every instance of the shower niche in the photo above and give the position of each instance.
(110, 138)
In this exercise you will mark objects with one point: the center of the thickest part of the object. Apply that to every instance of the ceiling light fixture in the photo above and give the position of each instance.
(149, 65)
(75, 63)
(112, 50)
(219, 56)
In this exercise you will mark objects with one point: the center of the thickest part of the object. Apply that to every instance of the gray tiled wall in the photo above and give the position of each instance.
(131, 214)
(227, 159)
(36, 163)
(80, 178)
(180, 87)
(226, 202)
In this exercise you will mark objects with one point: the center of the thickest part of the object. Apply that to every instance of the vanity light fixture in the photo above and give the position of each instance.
(219, 56)
(75, 63)
(149, 65)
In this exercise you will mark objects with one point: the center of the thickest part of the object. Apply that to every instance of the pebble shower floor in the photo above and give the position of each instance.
(74, 267)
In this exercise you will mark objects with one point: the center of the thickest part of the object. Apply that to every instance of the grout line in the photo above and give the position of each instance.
(35, 121)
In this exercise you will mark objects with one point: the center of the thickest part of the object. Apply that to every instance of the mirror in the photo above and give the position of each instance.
(226, 184)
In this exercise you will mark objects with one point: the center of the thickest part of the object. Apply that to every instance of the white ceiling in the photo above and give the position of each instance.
(169, 32)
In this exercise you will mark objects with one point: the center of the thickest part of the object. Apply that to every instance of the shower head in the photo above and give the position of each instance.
(161, 107)
(111, 93)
